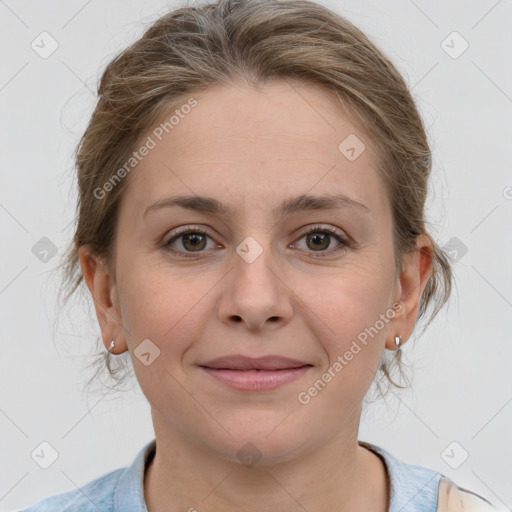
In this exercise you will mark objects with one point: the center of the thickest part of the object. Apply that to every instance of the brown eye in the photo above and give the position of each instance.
(319, 239)
(194, 241)
(188, 240)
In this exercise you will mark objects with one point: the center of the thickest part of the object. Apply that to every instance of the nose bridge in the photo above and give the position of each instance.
(254, 263)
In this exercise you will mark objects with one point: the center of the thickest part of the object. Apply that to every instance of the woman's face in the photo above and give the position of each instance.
(252, 282)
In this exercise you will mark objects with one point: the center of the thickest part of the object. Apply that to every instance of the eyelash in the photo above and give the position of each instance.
(344, 244)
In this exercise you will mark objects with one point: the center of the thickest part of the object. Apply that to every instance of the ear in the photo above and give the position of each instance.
(101, 284)
(416, 271)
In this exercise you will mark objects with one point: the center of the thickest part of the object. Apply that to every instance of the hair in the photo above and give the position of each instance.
(192, 48)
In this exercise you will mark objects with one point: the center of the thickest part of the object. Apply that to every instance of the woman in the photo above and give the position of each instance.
(227, 142)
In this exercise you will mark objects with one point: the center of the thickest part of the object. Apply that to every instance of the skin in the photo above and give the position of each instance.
(250, 149)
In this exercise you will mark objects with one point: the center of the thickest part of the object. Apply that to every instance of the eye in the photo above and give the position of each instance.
(318, 239)
(193, 240)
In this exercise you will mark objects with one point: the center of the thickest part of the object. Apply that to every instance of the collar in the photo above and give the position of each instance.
(129, 491)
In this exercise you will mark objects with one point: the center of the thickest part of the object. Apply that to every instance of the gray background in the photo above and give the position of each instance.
(461, 389)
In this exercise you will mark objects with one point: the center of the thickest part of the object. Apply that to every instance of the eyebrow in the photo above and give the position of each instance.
(295, 205)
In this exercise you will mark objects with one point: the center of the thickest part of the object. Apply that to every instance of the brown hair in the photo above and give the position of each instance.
(191, 48)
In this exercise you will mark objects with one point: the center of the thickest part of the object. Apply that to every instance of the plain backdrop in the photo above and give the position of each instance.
(459, 404)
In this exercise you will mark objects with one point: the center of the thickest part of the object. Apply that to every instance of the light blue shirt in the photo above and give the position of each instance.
(413, 488)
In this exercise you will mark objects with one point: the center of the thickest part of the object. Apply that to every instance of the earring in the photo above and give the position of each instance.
(112, 343)
(398, 340)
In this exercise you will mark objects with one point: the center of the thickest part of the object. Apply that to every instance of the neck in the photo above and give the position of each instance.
(337, 476)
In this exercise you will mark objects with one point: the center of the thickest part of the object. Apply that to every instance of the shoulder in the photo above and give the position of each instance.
(419, 489)
(453, 498)
(120, 490)
(411, 487)
(96, 495)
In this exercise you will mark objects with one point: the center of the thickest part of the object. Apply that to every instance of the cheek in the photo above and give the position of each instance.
(352, 335)
(166, 311)
(162, 306)
(352, 312)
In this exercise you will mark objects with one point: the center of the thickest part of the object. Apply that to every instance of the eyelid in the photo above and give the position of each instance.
(183, 230)
(324, 227)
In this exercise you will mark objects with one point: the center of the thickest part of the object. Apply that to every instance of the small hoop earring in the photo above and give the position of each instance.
(112, 343)
(398, 341)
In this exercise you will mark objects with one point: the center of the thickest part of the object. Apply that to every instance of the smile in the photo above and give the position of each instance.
(256, 380)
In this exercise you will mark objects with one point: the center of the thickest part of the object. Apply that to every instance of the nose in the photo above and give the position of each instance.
(254, 292)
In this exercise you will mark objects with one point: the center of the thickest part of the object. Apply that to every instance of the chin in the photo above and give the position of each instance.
(261, 441)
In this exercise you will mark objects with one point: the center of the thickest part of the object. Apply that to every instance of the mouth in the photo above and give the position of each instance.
(240, 362)
(255, 374)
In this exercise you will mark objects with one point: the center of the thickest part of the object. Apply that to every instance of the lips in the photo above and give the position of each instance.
(244, 363)
(255, 374)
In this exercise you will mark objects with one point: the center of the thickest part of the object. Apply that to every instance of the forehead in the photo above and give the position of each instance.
(281, 139)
